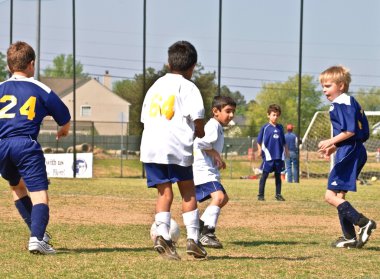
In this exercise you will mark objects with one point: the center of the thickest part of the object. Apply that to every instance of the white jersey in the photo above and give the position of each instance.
(204, 168)
(170, 107)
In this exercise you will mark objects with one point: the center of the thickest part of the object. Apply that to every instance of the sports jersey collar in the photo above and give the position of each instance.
(342, 99)
(20, 77)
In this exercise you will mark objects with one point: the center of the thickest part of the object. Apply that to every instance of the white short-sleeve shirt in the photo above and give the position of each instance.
(170, 107)
(204, 168)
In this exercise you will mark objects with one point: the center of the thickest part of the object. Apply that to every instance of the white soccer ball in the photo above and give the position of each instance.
(173, 231)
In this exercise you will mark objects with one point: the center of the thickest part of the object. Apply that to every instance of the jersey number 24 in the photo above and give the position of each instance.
(27, 109)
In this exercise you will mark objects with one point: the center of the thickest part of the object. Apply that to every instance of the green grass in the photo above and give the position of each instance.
(100, 229)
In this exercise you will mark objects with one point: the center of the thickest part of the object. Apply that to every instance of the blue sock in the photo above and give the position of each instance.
(40, 220)
(24, 207)
(348, 212)
(348, 228)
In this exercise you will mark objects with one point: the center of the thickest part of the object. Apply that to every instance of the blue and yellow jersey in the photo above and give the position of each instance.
(346, 114)
(24, 102)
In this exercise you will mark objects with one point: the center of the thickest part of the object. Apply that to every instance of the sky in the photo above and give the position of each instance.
(260, 39)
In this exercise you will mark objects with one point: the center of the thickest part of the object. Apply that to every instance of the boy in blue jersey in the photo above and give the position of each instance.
(350, 131)
(272, 147)
(207, 162)
(24, 102)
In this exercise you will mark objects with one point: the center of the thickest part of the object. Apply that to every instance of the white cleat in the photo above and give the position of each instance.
(40, 247)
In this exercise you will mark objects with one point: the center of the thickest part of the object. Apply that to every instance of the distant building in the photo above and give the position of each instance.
(95, 104)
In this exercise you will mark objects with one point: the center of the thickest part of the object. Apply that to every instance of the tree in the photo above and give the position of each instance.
(3, 67)
(63, 67)
(285, 94)
(369, 100)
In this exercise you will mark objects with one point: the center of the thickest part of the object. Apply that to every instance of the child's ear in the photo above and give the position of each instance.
(341, 86)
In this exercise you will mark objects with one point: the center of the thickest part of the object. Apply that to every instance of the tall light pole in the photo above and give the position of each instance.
(38, 49)
(74, 98)
(220, 46)
(300, 83)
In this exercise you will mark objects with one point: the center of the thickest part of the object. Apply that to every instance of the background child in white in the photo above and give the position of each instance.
(207, 162)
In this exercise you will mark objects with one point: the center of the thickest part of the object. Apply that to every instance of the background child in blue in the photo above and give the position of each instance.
(291, 161)
(272, 147)
(24, 102)
(350, 130)
(207, 162)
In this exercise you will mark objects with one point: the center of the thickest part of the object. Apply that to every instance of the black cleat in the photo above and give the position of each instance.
(343, 242)
(260, 198)
(211, 241)
(166, 249)
(195, 249)
(365, 232)
(279, 198)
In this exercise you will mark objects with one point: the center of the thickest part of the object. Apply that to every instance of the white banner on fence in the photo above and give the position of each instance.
(61, 165)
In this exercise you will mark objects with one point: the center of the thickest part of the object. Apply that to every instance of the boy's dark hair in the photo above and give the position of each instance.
(182, 55)
(274, 108)
(220, 102)
(19, 55)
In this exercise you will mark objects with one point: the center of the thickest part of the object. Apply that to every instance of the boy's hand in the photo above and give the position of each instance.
(63, 131)
(220, 164)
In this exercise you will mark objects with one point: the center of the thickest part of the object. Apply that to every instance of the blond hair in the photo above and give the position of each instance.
(337, 74)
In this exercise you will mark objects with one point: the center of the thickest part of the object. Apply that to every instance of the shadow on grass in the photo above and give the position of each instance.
(102, 250)
(259, 258)
(259, 243)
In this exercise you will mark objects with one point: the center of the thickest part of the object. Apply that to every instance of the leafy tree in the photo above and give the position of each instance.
(285, 94)
(369, 100)
(3, 67)
(63, 67)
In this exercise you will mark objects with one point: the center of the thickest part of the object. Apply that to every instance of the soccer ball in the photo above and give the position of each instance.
(173, 231)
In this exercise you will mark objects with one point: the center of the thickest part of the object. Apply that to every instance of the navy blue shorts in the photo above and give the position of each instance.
(23, 157)
(350, 160)
(160, 173)
(203, 191)
(276, 166)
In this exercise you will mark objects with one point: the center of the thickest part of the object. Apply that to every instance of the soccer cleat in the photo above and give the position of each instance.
(260, 198)
(39, 247)
(210, 240)
(166, 248)
(195, 249)
(47, 237)
(365, 232)
(279, 198)
(342, 242)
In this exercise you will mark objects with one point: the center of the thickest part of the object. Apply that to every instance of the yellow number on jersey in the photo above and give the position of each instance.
(158, 107)
(13, 102)
(29, 107)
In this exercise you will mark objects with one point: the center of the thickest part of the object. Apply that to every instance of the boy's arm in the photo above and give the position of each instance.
(258, 149)
(325, 144)
(287, 155)
(63, 131)
(199, 128)
(216, 158)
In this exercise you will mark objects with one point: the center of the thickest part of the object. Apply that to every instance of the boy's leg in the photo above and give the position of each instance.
(163, 243)
(163, 206)
(263, 179)
(39, 222)
(289, 172)
(23, 202)
(277, 177)
(191, 218)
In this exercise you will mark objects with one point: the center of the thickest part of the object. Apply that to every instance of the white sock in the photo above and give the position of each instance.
(211, 216)
(191, 221)
(162, 220)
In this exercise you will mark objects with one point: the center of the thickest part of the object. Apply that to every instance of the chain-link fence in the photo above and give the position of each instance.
(118, 155)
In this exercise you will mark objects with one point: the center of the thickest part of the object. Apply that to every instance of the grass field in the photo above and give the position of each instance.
(100, 229)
